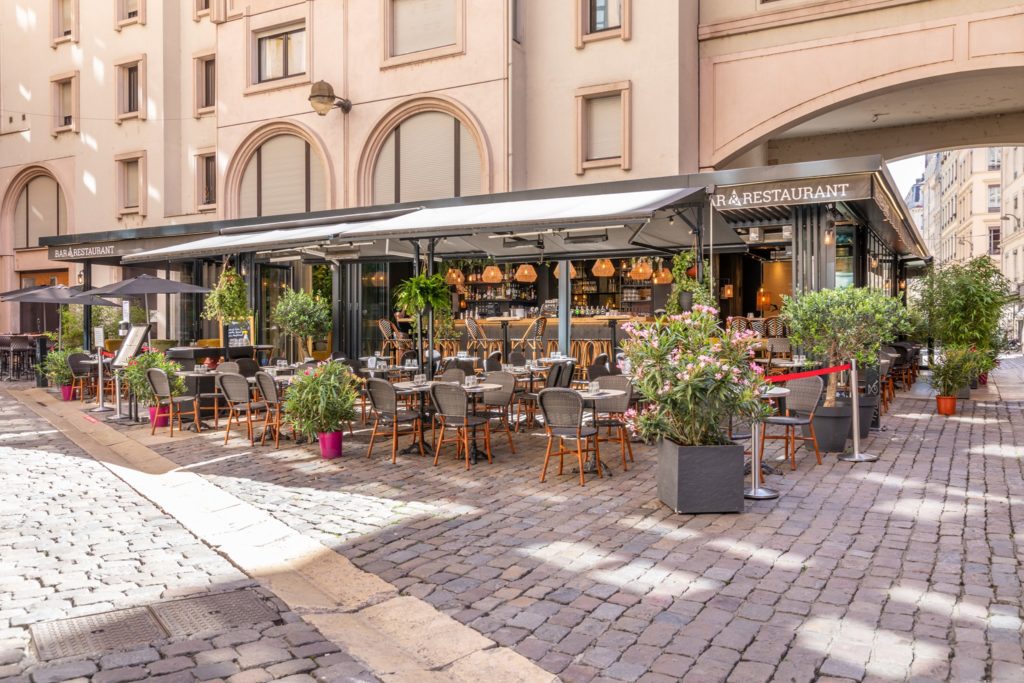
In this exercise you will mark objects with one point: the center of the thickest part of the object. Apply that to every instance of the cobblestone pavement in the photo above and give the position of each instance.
(907, 568)
(75, 540)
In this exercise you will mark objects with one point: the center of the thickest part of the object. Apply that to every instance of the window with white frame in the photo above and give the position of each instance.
(206, 84)
(603, 135)
(131, 88)
(994, 198)
(206, 180)
(280, 53)
(65, 102)
(131, 183)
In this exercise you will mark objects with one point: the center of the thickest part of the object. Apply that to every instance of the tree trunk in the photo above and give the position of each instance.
(831, 389)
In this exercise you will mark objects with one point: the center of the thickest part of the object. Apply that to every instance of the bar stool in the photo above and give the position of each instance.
(21, 354)
(5, 354)
(533, 338)
(478, 338)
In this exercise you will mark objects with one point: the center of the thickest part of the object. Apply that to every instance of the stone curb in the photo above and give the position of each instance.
(400, 638)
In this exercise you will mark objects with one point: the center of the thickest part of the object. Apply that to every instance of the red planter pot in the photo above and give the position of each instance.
(67, 392)
(945, 405)
(330, 445)
(161, 419)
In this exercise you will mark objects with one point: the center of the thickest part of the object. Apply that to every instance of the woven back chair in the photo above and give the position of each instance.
(160, 385)
(801, 402)
(387, 417)
(452, 404)
(734, 325)
(757, 325)
(383, 397)
(275, 409)
(247, 367)
(235, 389)
(566, 374)
(517, 358)
(563, 419)
(499, 401)
(82, 376)
(599, 368)
(478, 338)
(528, 400)
(533, 338)
(774, 327)
(230, 367)
(452, 374)
(493, 362)
(610, 413)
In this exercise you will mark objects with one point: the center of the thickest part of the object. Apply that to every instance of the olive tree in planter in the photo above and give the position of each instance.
(304, 316)
(956, 367)
(834, 326)
(696, 377)
(319, 401)
(228, 301)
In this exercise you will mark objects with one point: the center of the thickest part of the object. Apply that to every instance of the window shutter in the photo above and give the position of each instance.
(384, 173)
(131, 183)
(65, 16)
(283, 166)
(604, 127)
(469, 164)
(421, 25)
(65, 101)
(247, 191)
(42, 209)
(427, 157)
(317, 183)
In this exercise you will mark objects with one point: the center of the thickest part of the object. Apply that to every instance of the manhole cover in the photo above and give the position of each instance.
(218, 612)
(118, 630)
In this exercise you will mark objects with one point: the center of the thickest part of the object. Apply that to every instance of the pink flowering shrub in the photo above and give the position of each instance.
(694, 376)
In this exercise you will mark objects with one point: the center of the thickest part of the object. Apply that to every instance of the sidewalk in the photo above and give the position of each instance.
(903, 568)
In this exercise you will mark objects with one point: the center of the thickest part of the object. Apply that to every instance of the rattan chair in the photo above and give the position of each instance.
(774, 327)
(517, 358)
(274, 408)
(83, 377)
(736, 325)
(452, 404)
(614, 410)
(563, 419)
(528, 399)
(160, 385)
(229, 367)
(600, 368)
(235, 390)
(533, 338)
(355, 364)
(498, 402)
(386, 413)
(777, 348)
(493, 362)
(247, 367)
(801, 403)
(478, 338)
(453, 374)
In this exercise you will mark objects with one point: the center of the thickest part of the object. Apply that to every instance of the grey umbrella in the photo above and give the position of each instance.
(58, 294)
(148, 284)
(4, 295)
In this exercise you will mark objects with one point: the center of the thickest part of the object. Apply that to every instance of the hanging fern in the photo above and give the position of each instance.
(228, 301)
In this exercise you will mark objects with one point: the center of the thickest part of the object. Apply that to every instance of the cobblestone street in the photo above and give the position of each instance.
(906, 568)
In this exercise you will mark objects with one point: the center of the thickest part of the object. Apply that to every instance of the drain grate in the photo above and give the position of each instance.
(96, 633)
(217, 612)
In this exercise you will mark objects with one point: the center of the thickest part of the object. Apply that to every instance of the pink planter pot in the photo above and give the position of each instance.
(330, 445)
(161, 419)
(67, 392)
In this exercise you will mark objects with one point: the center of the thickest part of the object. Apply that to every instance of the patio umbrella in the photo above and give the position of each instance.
(147, 284)
(58, 294)
(4, 295)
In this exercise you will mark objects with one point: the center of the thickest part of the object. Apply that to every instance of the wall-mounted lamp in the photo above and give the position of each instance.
(81, 277)
(726, 292)
(830, 236)
(323, 99)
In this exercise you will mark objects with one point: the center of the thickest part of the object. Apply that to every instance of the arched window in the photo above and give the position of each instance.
(284, 175)
(40, 212)
(427, 156)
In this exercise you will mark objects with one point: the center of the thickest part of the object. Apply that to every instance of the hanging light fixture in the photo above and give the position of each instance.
(727, 291)
(572, 271)
(493, 275)
(603, 268)
(454, 276)
(378, 279)
(642, 270)
(526, 273)
(662, 276)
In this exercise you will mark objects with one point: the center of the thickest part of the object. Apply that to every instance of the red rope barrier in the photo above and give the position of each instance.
(808, 373)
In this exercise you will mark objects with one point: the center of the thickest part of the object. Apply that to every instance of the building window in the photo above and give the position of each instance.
(130, 12)
(603, 126)
(131, 88)
(416, 30)
(995, 158)
(994, 198)
(994, 240)
(39, 212)
(602, 19)
(283, 176)
(131, 183)
(206, 84)
(201, 9)
(65, 21)
(430, 155)
(281, 54)
(65, 102)
(518, 21)
(206, 180)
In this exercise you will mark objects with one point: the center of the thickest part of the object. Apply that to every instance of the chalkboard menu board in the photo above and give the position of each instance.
(238, 333)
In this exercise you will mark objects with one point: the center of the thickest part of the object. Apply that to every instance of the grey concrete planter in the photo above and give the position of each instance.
(700, 479)
(832, 427)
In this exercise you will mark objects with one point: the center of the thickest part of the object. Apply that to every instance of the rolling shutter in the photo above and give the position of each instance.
(427, 157)
(283, 181)
(419, 25)
(384, 173)
(604, 127)
(42, 209)
(469, 164)
(247, 192)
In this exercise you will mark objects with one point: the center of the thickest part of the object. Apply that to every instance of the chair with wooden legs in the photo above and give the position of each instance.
(736, 325)
(528, 399)
(493, 362)
(478, 338)
(83, 379)
(161, 388)
(498, 402)
(801, 403)
(238, 399)
(533, 338)
(777, 348)
(275, 408)
(614, 410)
(387, 416)
(563, 420)
(452, 405)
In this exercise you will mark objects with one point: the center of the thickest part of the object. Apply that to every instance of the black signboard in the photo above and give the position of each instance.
(238, 333)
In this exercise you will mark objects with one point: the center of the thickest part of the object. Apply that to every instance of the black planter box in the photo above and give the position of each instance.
(698, 479)
(832, 427)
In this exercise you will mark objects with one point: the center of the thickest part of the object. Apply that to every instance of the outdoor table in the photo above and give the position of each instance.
(504, 320)
(757, 490)
(264, 350)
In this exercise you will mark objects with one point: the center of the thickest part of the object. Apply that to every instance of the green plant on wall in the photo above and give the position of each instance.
(681, 282)
(423, 293)
(228, 301)
(305, 316)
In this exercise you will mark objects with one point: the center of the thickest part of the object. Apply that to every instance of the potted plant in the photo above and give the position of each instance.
(319, 400)
(304, 316)
(833, 326)
(134, 375)
(423, 294)
(695, 377)
(58, 371)
(953, 371)
(686, 289)
(228, 301)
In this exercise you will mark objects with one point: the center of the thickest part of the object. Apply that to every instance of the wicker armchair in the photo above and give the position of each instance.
(386, 413)
(801, 403)
(161, 388)
(452, 404)
(563, 420)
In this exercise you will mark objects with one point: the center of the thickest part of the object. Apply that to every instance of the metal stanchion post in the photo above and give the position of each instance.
(100, 408)
(856, 456)
(757, 491)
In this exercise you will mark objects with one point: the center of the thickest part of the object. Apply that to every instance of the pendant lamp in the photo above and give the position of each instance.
(662, 276)
(642, 270)
(603, 268)
(454, 276)
(526, 273)
(493, 275)
(572, 270)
